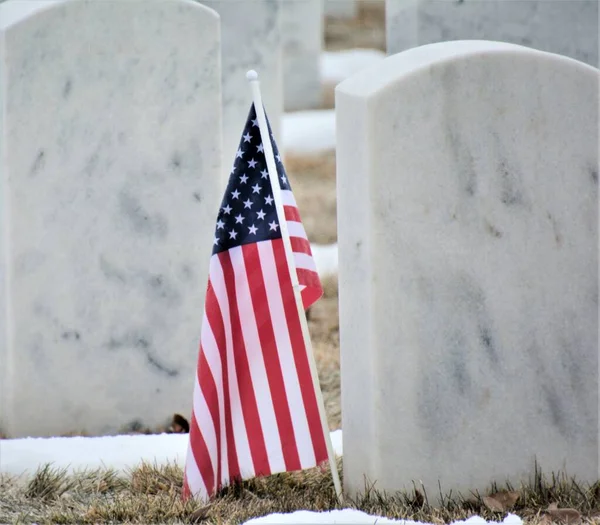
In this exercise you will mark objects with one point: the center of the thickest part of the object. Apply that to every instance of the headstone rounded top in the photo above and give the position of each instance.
(13, 12)
(371, 80)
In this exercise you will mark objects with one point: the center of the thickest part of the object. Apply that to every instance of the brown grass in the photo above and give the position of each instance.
(149, 494)
(313, 184)
(324, 331)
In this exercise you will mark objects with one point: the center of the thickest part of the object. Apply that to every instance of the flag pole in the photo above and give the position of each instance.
(252, 77)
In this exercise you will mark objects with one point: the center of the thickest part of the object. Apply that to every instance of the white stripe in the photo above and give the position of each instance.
(240, 434)
(287, 197)
(286, 356)
(296, 229)
(304, 261)
(193, 476)
(213, 358)
(258, 372)
(206, 427)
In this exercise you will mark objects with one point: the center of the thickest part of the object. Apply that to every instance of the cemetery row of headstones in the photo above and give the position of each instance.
(467, 188)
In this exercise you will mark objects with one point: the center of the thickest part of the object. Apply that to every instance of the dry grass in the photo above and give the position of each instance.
(324, 330)
(153, 495)
(313, 183)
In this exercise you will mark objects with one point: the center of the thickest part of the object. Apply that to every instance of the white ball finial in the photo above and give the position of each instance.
(252, 75)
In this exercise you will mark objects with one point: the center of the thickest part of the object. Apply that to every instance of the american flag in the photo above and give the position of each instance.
(255, 408)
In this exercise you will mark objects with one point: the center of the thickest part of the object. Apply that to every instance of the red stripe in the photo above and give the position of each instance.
(313, 291)
(310, 279)
(208, 388)
(300, 245)
(215, 319)
(201, 455)
(292, 213)
(268, 345)
(300, 352)
(256, 438)
(186, 493)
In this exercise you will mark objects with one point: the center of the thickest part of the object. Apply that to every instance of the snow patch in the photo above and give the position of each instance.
(326, 258)
(23, 456)
(337, 66)
(308, 132)
(356, 517)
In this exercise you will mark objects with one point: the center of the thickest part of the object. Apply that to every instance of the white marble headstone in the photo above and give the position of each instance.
(565, 27)
(468, 267)
(110, 182)
(250, 39)
(302, 34)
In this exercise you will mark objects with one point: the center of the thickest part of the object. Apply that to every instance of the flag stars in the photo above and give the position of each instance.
(247, 212)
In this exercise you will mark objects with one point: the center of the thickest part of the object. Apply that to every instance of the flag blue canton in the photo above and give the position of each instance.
(248, 213)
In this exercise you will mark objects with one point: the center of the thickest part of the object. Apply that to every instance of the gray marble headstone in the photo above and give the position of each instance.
(565, 27)
(110, 183)
(250, 39)
(302, 44)
(468, 267)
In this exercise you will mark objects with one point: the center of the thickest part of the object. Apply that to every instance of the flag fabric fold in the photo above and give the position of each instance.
(255, 410)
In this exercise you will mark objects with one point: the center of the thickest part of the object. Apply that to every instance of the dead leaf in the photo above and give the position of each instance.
(419, 498)
(179, 425)
(501, 501)
(493, 504)
(568, 516)
(200, 515)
